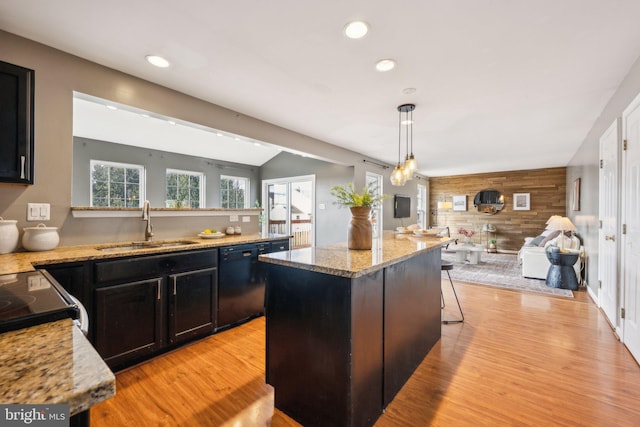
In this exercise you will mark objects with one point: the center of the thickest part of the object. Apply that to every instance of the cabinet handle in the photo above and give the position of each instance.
(22, 162)
(158, 281)
(174, 285)
(246, 254)
(612, 238)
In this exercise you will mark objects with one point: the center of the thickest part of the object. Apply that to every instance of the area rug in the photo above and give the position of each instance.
(500, 270)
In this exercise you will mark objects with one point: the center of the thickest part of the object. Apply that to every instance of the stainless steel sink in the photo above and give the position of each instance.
(135, 246)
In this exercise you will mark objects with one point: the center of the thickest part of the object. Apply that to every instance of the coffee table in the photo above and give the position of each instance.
(473, 252)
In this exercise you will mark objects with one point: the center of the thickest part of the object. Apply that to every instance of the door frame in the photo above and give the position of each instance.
(288, 181)
(614, 316)
(624, 237)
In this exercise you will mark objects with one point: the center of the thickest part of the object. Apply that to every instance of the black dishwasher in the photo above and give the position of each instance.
(240, 287)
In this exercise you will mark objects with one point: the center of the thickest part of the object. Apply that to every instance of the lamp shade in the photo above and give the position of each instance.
(552, 217)
(562, 223)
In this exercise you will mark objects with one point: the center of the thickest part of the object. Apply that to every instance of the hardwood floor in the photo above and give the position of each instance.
(519, 359)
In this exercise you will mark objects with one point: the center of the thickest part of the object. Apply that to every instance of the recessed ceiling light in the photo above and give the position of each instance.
(158, 61)
(112, 107)
(219, 134)
(146, 116)
(257, 144)
(385, 65)
(409, 90)
(171, 122)
(356, 29)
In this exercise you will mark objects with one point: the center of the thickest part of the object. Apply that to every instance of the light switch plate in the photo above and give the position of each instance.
(38, 211)
(233, 218)
(246, 219)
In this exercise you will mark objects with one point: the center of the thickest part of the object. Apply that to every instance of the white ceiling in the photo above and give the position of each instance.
(127, 125)
(500, 84)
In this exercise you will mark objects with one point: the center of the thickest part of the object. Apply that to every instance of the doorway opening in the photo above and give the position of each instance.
(290, 208)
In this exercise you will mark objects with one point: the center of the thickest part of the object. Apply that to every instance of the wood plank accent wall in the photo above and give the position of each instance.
(547, 189)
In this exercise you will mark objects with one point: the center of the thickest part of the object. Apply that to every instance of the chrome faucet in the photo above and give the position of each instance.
(146, 216)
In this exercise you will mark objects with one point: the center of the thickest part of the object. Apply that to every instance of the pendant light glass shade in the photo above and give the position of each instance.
(406, 170)
(411, 164)
(397, 176)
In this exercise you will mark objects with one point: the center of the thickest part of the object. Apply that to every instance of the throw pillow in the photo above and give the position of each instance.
(549, 237)
(536, 240)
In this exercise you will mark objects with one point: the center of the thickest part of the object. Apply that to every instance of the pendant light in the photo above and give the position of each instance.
(410, 163)
(398, 177)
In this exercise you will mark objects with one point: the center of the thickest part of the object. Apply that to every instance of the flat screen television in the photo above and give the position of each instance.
(401, 206)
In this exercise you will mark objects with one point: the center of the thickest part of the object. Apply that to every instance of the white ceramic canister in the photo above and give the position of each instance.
(40, 238)
(9, 235)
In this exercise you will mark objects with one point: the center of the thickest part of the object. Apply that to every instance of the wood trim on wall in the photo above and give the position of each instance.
(547, 189)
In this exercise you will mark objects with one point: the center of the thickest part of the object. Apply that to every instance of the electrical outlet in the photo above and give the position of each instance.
(38, 211)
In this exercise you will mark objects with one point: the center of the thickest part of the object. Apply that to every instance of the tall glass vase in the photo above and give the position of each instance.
(360, 230)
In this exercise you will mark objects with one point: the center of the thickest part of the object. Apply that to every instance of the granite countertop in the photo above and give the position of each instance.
(18, 262)
(53, 363)
(338, 260)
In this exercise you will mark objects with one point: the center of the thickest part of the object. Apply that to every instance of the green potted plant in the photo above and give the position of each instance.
(360, 204)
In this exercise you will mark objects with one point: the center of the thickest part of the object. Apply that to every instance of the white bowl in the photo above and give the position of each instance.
(40, 238)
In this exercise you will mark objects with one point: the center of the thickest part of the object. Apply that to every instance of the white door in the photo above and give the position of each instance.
(608, 235)
(290, 208)
(631, 219)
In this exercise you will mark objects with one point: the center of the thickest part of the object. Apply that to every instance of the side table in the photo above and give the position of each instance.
(463, 251)
(561, 273)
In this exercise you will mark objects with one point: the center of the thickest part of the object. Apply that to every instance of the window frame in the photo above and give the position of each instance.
(247, 190)
(201, 191)
(111, 164)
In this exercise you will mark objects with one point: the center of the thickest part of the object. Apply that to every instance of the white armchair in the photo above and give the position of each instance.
(535, 264)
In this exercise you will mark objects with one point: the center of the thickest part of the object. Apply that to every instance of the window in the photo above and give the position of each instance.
(185, 189)
(116, 184)
(422, 205)
(234, 192)
(375, 181)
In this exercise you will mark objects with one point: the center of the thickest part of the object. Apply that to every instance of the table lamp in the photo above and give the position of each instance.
(561, 223)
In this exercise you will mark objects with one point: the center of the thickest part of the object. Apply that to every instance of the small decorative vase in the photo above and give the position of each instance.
(360, 230)
(467, 241)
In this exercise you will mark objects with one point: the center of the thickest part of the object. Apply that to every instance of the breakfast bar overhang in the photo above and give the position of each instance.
(347, 328)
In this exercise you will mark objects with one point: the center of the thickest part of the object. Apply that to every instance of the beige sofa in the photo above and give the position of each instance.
(533, 257)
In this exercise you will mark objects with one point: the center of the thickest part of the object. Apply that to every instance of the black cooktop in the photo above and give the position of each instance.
(32, 298)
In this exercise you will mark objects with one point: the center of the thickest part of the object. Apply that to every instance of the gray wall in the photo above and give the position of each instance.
(156, 163)
(331, 223)
(58, 74)
(584, 165)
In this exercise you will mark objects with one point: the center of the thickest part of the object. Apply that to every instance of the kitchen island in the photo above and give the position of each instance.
(347, 328)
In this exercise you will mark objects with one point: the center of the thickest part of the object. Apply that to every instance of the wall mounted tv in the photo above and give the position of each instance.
(401, 206)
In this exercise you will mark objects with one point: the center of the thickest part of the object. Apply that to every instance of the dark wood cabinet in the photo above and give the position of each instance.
(146, 304)
(129, 320)
(192, 304)
(139, 306)
(16, 123)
